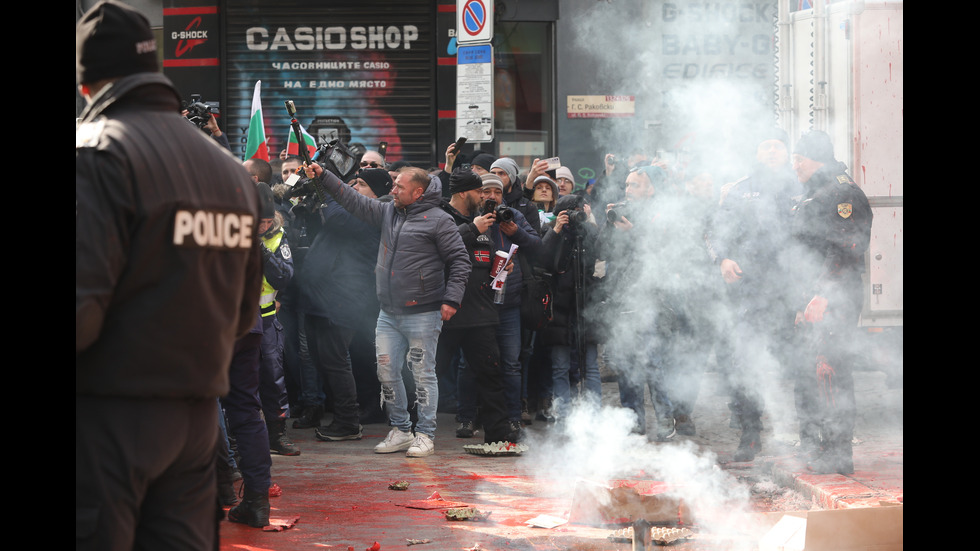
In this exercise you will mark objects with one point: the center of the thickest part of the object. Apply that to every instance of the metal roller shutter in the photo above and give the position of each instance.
(363, 71)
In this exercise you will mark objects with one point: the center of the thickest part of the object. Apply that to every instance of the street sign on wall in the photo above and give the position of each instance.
(474, 21)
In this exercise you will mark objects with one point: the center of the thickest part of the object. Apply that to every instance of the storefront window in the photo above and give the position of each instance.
(523, 91)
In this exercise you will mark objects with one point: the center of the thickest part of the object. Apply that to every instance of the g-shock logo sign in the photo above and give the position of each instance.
(189, 37)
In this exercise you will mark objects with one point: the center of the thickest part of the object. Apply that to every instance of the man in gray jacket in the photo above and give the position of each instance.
(421, 275)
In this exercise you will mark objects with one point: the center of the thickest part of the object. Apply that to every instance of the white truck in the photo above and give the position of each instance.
(840, 69)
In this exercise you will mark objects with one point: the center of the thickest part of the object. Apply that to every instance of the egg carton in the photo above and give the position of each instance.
(659, 535)
(496, 448)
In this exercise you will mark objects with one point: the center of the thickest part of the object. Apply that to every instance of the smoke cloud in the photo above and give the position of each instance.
(702, 74)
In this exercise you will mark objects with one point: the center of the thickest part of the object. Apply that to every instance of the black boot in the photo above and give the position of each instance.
(526, 417)
(736, 414)
(253, 510)
(684, 425)
(279, 442)
(837, 457)
(748, 445)
(310, 418)
(226, 483)
(810, 447)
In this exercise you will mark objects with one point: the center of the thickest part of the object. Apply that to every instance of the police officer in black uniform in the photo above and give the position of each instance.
(167, 271)
(747, 239)
(832, 224)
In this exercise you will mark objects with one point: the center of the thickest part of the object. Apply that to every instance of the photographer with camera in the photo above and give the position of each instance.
(201, 114)
(569, 245)
(474, 328)
(514, 196)
(610, 185)
(649, 343)
(510, 227)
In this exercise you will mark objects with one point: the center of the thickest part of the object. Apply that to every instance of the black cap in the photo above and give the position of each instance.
(774, 133)
(377, 179)
(113, 40)
(464, 180)
(267, 202)
(816, 145)
(484, 160)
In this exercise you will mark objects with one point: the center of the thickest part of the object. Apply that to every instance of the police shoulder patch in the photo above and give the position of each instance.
(284, 251)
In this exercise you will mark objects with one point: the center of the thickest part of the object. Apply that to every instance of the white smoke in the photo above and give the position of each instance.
(594, 446)
(702, 77)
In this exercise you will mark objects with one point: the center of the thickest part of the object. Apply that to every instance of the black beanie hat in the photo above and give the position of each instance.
(113, 40)
(267, 202)
(377, 179)
(484, 160)
(464, 180)
(816, 145)
(774, 133)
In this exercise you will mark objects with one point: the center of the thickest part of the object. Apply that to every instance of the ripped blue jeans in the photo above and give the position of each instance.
(409, 339)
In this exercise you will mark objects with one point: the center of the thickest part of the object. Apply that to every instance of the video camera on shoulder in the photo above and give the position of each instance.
(503, 212)
(200, 112)
(335, 158)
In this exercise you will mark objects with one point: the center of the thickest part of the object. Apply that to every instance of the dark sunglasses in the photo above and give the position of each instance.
(372, 164)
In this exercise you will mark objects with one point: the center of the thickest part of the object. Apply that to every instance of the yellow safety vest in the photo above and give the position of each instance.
(267, 301)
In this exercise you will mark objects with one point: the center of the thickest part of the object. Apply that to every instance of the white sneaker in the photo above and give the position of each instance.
(421, 447)
(395, 441)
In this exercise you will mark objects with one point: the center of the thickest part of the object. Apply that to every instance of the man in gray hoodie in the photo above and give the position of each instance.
(421, 274)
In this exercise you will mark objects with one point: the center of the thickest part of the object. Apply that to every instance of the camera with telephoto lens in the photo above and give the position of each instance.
(200, 112)
(577, 218)
(503, 212)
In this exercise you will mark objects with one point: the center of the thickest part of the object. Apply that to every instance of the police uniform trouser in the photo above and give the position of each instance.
(144, 473)
(244, 413)
(825, 383)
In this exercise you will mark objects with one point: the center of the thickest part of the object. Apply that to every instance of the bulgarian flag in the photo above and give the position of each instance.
(256, 145)
(292, 145)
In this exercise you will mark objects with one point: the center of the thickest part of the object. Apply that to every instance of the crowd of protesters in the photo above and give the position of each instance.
(650, 269)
